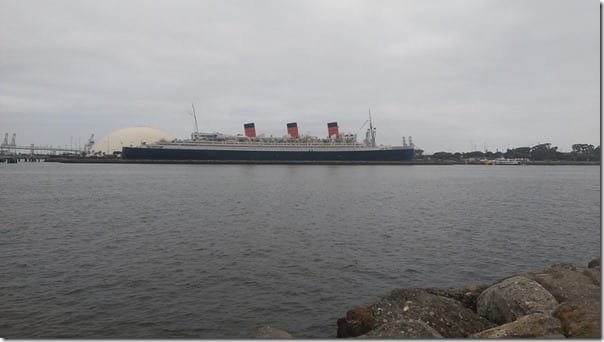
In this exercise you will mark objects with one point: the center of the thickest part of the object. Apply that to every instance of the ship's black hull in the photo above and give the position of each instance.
(165, 153)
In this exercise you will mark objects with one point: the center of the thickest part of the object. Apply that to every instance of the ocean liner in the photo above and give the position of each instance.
(291, 148)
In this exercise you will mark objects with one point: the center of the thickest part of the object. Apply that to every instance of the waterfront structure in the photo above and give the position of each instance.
(130, 136)
(249, 147)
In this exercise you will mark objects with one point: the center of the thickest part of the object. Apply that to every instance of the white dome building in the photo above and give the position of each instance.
(131, 136)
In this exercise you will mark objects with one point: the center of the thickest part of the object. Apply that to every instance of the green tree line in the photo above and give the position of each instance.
(540, 152)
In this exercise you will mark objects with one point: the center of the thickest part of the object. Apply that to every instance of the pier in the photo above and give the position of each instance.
(12, 153)
(22, 158)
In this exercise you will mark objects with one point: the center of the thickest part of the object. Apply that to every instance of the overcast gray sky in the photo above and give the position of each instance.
(451, 73)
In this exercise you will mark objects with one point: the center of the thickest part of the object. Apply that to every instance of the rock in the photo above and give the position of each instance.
(578, 291)
(513, 298)
(595, 263)
(593, 274)
(403, 329)
(467, 296)
(580, 320)
(271, 333)
(358, 321)
(529, 326)
(448, 317)
(525, 305)
(566, 283)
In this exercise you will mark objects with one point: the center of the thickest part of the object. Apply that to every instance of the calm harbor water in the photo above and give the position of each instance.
(210, 251)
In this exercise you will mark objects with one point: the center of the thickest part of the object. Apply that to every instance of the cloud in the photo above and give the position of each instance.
(447, 72)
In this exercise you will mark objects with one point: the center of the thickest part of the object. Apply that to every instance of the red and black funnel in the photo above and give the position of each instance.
(250, 130)
(332, 130)
(292, 130)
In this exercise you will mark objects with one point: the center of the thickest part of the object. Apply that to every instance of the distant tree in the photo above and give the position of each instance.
(564, 156)
(474, 154)
(544, 152)
(442, 156)
(585, 152)
(519, 152)
(583, 148)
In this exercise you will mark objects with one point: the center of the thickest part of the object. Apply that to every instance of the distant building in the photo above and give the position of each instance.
(131, 136)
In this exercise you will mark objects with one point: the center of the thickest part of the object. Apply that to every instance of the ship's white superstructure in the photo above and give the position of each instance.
(292, 147)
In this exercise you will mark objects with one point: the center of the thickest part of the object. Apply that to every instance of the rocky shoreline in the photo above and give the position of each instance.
(562, 301)
(559, 302)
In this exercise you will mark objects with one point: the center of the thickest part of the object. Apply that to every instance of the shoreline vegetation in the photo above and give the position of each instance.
(538, 153)
(562, 301)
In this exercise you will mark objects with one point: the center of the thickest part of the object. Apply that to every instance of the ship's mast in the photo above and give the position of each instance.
(371, 130)
(195, 117)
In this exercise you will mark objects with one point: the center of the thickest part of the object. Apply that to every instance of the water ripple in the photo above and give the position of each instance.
(210, 251)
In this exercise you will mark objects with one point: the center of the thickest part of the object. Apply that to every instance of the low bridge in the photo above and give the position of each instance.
(10, 152)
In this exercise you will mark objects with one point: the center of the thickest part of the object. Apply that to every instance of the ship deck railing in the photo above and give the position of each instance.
(263, 144)
(267, 144)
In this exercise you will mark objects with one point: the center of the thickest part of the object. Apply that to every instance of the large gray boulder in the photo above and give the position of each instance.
(358, 321)
(404, 328)
(569, 284)
(513, 298)
(447, 316)
(580, 320)
(579, 292)
(542, 325)
(413, 313)
(467, 296)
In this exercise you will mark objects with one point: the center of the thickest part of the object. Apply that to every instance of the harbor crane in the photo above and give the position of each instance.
(89, 144)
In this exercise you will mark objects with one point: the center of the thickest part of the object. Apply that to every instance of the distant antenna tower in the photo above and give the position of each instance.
(404, 142)
(411, 141)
